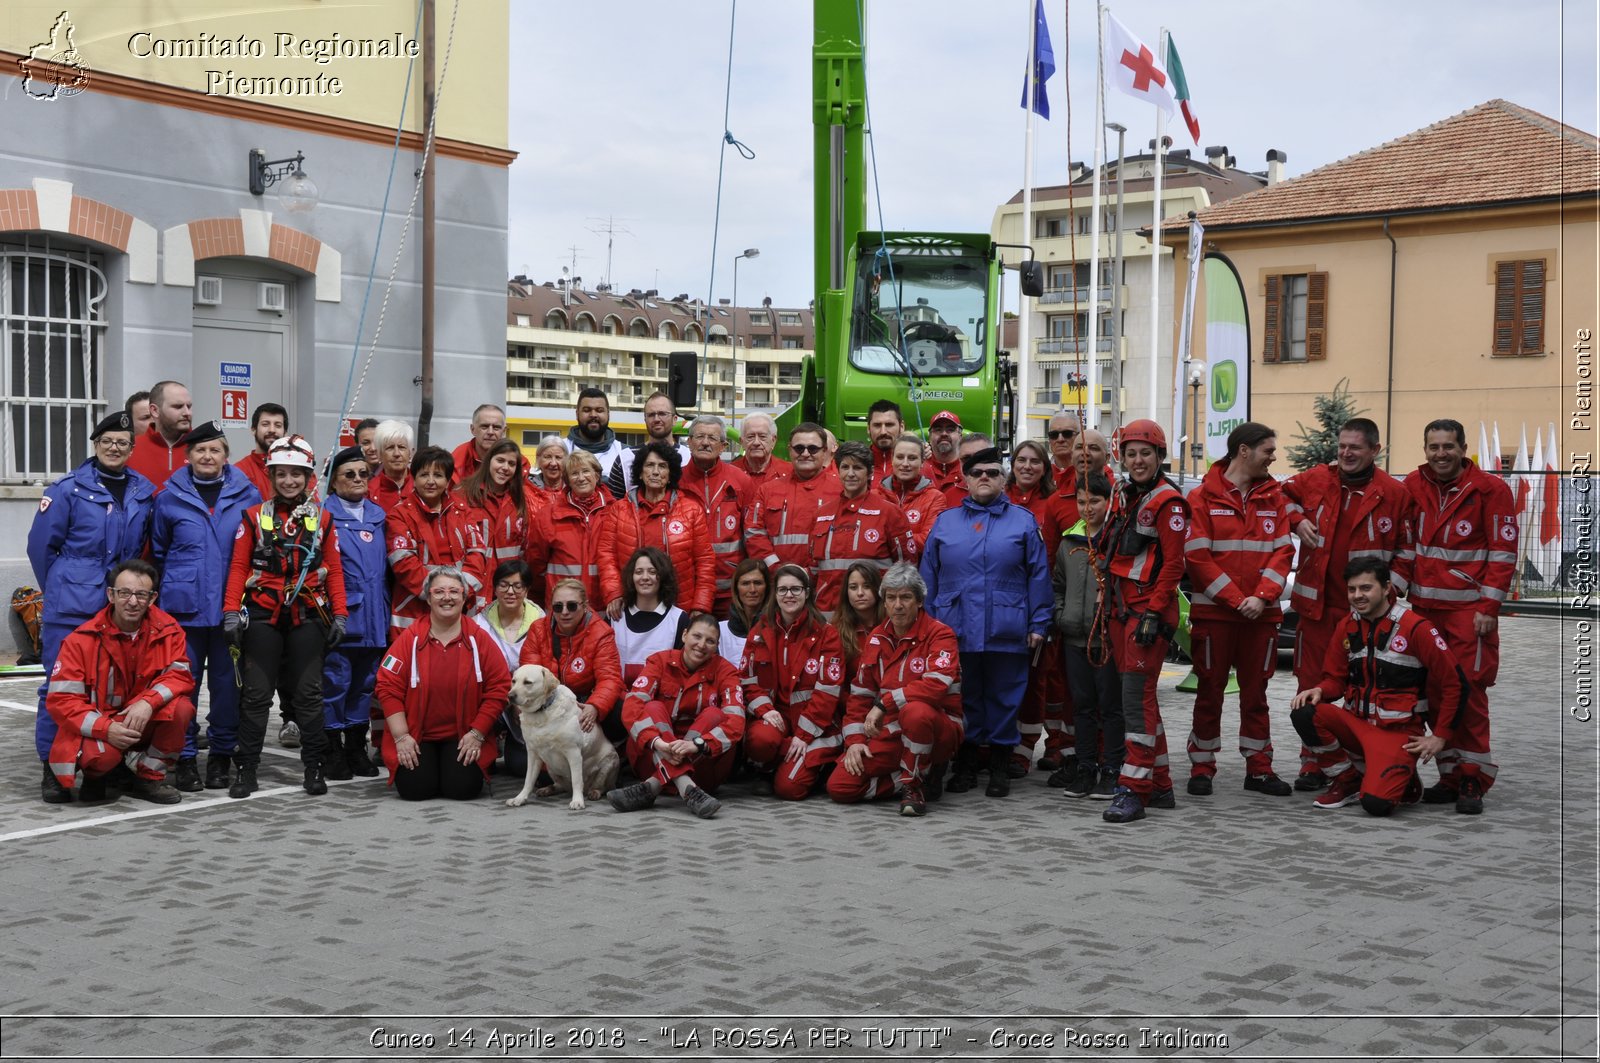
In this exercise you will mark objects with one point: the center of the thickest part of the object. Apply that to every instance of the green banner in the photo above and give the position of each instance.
(1227, 402)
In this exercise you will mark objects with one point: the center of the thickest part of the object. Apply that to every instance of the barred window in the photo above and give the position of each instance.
(52, 342)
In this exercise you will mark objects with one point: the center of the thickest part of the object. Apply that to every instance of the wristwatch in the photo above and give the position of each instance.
(700, 744)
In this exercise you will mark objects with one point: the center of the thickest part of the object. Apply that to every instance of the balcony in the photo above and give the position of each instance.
(1067, 345)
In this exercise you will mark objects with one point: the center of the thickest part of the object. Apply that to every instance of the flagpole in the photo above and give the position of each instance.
(1019, 431)
(1091, 413)
(1160, 153)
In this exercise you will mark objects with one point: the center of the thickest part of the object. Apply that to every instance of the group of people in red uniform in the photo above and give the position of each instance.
(814, 617)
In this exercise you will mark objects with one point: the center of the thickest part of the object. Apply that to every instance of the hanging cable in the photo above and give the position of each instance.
(353, 396)
(728, 140)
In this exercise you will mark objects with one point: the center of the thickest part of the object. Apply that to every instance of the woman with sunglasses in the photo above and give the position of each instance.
(793, 675)
(917, 495)
(989, 580)
(1032, 486)
(751, 588)
(497, 494)
(856, 524)
(349, 671)
(579, 648)
(508, 620)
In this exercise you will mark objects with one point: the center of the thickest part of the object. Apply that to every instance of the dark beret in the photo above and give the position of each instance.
(203, 432)
(345, 457)
(113, 422)
(986, 456)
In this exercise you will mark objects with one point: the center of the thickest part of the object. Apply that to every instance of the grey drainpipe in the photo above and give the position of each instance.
(1388, 415)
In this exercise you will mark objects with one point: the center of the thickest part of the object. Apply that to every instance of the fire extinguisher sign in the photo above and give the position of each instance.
(235, 405)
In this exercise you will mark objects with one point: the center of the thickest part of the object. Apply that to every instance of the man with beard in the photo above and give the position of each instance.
(160, 451)
(593, 434)
(884, 426)
(944, 466)
(269, 422)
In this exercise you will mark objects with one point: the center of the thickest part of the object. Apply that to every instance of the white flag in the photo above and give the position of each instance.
(1133, 68)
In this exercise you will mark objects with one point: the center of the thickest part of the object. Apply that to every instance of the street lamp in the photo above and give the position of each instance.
(733, 333)
(1197, 445)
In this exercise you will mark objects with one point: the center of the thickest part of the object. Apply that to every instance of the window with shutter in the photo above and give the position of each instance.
(1295, 322)
(1316, 321)
(1272, 326)
(1519, 307)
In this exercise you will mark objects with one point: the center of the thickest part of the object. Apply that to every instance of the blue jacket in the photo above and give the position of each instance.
(988, 576)
(364, 553)
(192, 545)
(77, 536)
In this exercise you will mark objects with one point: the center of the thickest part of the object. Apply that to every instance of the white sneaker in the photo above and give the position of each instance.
(289, 735)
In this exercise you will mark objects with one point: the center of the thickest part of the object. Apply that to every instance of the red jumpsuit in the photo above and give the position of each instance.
(564, 543)
(423, 539)
(502, 530)
(1046, 707)
(677, 526)
(1239, 547)
(1466, 556)
(775, 469)
(916, 680)
(462, 684)
(778, 524)
(1393, 675)
(670, 702)
(585, 662)
(869, 527)
(920, 502)
(723, 494)
(98, 673)
(797, 672)
(1142, 549)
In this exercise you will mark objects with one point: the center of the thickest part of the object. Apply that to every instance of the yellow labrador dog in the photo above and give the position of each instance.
(549, 715)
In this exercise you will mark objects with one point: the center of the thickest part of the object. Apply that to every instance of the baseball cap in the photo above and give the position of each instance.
(945, 415)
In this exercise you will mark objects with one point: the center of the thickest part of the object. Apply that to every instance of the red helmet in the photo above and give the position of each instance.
(1143, 430)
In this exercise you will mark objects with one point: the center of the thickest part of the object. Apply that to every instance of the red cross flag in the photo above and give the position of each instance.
(1133, 68)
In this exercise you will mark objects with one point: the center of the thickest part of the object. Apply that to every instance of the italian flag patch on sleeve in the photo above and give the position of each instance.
(390, 663)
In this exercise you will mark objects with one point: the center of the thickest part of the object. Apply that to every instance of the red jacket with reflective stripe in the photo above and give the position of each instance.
(778, 524)
(564, 543)
(869, 527)
(1376, 519)
(723, 494)
(798, 671)
(407, 680)
(677, 525)
(468, 459)
(1466, 541)
(686, 694)
(421, 540)
(502, 530)
(100, 671)
(585, 662)
(1238, 546)
(924, 665)
(1395, 672)
(920, 502)
(264, 588)
(385, 492)
(775, 469)
(1142, 544)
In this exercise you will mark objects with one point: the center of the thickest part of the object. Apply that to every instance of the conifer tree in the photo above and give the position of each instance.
(1320, 445)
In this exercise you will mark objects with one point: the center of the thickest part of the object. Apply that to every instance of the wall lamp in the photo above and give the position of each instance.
(298, 194)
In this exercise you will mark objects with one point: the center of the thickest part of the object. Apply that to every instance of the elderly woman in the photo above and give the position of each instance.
(685, 717)
(918, 496)
(988, 578)
(579, 648)
(903, 718)
(651, 620)
(751, 589)
(191, 542)
(497, 494)
(793, 671)
(396, 446)
(564, 542)
(856, 524)
(549, 477)
(442, 686)
(1044, 707)
(655, 513)
(427, 529)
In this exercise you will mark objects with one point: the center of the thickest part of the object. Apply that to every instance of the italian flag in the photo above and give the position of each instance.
(1180, 89)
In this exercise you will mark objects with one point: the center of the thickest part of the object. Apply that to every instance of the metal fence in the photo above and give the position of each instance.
(1556, 543)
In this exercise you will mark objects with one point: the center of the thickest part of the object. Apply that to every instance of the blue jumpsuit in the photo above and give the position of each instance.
(348, 672)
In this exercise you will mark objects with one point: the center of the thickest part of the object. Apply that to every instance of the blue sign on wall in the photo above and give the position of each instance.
(236, 374)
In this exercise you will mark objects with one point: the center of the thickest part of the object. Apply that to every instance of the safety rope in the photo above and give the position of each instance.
(728, 140)
(352, 397)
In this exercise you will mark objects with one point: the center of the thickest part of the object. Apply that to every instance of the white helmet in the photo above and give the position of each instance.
(292, 451)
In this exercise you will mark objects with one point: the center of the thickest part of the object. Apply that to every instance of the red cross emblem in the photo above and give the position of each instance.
(730, 522)
(1463, 527)
(1267, 526)
(578, 665)
(811, 666)
(676, 527)
(1385, 524)
(1398, 644)
(914, 515)
(1144, 69)
(366, 536)
(918, 665)
(872, 535)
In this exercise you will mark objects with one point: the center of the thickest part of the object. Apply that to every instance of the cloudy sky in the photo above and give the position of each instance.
(617, 110)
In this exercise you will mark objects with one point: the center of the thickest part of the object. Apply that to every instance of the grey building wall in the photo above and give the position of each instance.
(168, 166)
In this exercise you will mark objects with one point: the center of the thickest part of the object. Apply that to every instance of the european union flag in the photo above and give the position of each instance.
(1044, 63)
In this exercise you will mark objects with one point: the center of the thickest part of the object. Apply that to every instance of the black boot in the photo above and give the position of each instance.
(315, 784)
(999, 777)
(964, 769)
(335, 765)
(51, 791)
(244, 781)
(217, 770)
(187, 779)
(355, 753)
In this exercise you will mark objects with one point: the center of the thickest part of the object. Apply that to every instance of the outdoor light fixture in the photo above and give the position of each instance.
(298, 194)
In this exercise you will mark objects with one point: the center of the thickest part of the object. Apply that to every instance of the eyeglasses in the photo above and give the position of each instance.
(806, 448)
(986, 474)
(354, 474)
(507, 585)
(1061, 433)
(791, 591)
(565, 607)
(133, 596)
(114, 444)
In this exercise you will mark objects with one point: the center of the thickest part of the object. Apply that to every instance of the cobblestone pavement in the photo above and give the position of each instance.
(1238, 924)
